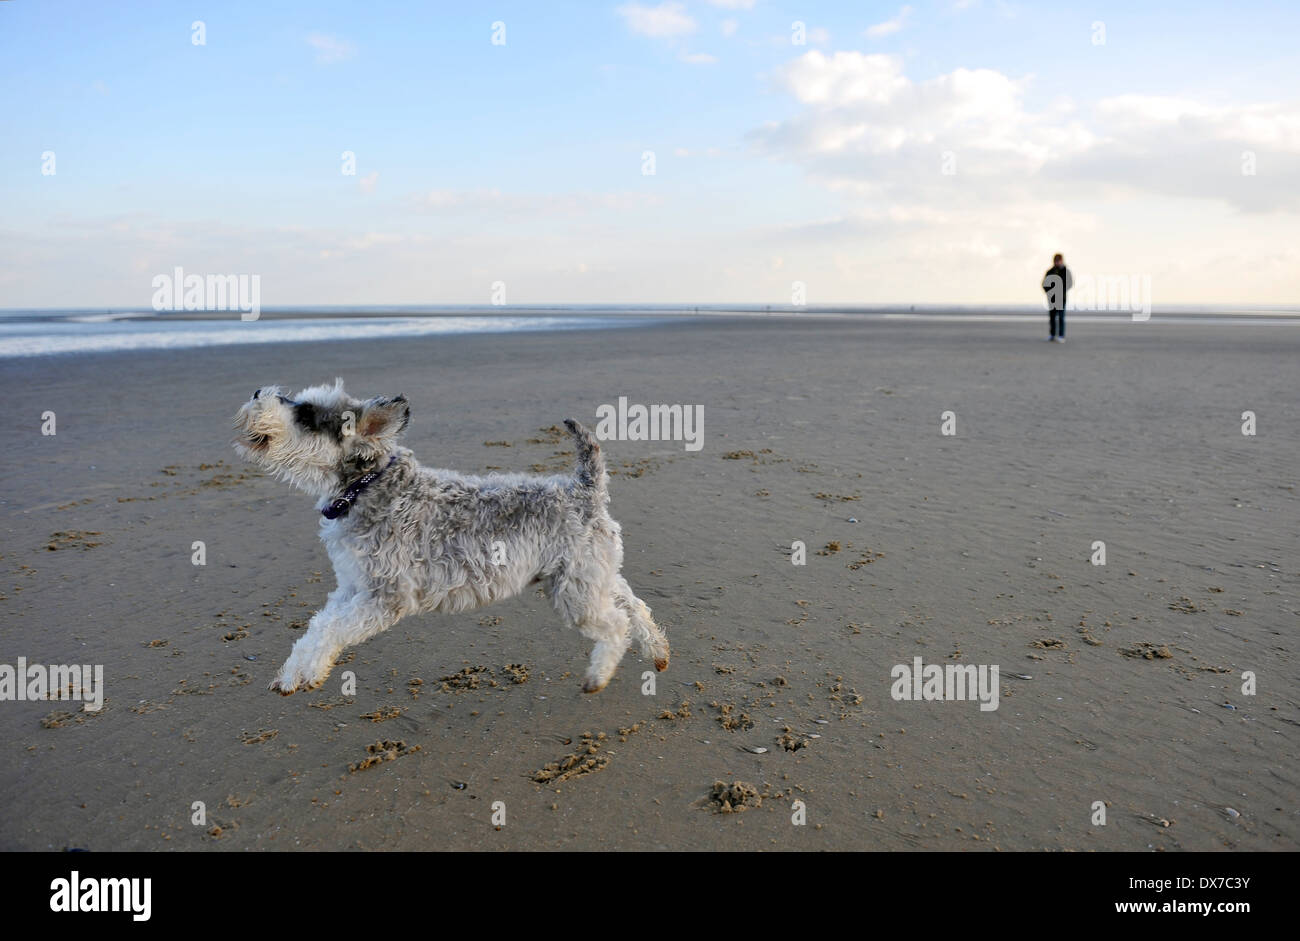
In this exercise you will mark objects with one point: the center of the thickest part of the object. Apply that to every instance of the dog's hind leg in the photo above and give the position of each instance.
(608, 627)
(597, 616)
(649, 636)
(346, 620)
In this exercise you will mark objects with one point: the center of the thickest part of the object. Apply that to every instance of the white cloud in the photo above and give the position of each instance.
(864, 106)
(889, 27)
(844, 78)
(729, 27)
(697, 58)
(667, 19)
(330, 49)
(1271, 125)
(733, 4)
(870, 131)
(369, 182)
(1182, 148)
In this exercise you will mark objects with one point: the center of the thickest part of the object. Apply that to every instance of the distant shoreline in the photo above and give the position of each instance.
(67, 332)
(918, 311)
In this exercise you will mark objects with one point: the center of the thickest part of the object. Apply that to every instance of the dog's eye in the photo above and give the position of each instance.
(304, 414)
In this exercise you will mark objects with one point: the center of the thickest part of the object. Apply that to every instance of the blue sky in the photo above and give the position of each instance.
(775, 162)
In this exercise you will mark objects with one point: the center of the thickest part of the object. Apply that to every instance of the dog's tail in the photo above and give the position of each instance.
(590, 471)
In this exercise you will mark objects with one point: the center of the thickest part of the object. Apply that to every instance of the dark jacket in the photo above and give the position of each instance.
(1057, 283)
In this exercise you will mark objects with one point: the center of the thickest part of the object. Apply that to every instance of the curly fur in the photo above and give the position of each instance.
(422, 539)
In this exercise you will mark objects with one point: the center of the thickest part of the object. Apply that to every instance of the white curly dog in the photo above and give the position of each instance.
(406, 539)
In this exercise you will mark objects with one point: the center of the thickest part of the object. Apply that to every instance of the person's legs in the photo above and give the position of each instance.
(1051, 324)
(1060, 323)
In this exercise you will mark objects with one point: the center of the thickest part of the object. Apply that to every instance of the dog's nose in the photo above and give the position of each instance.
(256, 393)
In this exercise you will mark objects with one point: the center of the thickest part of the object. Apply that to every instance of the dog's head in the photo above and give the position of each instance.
(320, 438)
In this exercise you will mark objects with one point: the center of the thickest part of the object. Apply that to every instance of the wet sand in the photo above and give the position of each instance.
(1120, 683)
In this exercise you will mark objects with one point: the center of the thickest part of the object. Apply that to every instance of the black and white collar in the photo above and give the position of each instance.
(343, 504)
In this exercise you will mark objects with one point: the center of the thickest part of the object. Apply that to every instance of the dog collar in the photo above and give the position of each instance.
(343, 504)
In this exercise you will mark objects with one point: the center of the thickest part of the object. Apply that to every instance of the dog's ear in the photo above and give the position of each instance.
(384, 417)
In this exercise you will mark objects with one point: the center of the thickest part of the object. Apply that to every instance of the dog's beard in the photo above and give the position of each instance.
(317, 481)
(301, 460)
(252, 436)
(251, 445)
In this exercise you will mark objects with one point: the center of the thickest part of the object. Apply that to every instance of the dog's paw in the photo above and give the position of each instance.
(285, 686)
(289, 687)
(657, 652)
(293, 679)
(594, 684)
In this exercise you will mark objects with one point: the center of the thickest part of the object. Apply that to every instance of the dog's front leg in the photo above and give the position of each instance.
(345, 620)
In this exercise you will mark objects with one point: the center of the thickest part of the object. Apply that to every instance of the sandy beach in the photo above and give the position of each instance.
(1120, 683)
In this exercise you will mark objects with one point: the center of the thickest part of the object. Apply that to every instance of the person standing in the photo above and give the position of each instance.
(1056, 284)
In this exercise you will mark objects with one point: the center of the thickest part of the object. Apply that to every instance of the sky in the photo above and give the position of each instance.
(687, 151)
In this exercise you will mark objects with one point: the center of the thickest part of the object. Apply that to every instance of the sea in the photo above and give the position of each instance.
(54, 332)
